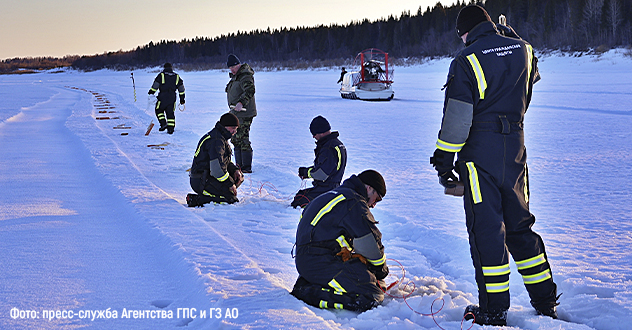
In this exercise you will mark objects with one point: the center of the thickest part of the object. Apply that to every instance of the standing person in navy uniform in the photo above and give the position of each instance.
(167, 82)
(487, 94)
(329, 164)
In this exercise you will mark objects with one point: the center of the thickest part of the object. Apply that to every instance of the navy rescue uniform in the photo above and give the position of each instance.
(487, 94)
(212, 171)
(167, 82)
(336, 220)
(327, 171)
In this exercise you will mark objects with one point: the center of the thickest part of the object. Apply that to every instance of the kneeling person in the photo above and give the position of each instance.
(213, 176)
(339, 252)
(329, 164)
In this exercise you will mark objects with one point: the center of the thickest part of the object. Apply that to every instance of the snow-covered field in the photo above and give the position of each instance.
(94, 233)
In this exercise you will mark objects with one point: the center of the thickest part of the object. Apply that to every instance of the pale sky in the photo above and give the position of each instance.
(31, 28)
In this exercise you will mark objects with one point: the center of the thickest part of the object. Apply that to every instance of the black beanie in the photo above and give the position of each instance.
(470, 17)
(319, 125)
(375, 180)
(168, 65)
(232, 60)
(228, 119)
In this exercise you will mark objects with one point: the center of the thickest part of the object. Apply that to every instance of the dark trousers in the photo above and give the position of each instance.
(208, 192)
(499, 222)
(326, 281)
(166, 115)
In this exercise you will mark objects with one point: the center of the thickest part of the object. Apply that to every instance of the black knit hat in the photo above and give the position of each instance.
(232, 60)
(375, 180)
(470, 17)
(228, 119)
(319, 125)
(168, 65)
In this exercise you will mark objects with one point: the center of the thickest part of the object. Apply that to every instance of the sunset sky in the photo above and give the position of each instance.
(32, 28)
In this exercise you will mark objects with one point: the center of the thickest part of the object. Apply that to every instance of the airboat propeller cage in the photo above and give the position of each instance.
(370, 59)
(374, 79)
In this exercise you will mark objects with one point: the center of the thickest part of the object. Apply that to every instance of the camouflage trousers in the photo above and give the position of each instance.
(241, 139)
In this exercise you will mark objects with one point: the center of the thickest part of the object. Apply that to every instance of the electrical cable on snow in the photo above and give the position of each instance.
(432, 314)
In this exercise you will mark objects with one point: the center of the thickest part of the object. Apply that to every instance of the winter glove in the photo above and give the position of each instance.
(346, 255)
(181, 101)
(151, 92)
(238, 177)
(442, 161)
(448, 179)
(507, 31)
(303, 172)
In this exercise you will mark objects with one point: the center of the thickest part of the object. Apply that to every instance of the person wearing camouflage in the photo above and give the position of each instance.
(240, 93)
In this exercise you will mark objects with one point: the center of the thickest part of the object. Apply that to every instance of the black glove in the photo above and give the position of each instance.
(303, 172)
(442, 161)
(182, 100)
(448, 179)
(151, 92)
(507, 31)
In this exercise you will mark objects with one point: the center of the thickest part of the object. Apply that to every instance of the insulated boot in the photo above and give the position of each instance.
(547, 311)
(192, 200)
(547, 306)
(162, 127)
(238, 160)
(246, 157)
(485, 317)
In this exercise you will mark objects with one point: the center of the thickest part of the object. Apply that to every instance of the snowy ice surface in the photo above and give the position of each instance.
(92, 220)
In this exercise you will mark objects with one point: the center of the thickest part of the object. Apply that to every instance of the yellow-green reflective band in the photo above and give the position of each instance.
(496, 270)
(153, 89)
(223, 177)
(309, 172)
(327, 208)
(449, 147)
(339, 158)
(337, 287)
(171, 121)
(526, 185)
(529, 65)
(531, 262)
(177, 79)
(322, 304)
(197, 152)
(161, 116)
(181, 93)
(162, 75)
(497, 287)
(377, 262)
(537, 278)
(475, 188)
(337, 306)
(480, 76)
(158, 105)
(207, 193)
(343, 242)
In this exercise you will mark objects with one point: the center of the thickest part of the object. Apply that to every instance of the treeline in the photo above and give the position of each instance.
(35, 64)
(569, 25)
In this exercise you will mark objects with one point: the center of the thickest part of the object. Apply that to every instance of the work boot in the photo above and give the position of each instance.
(547, 306)
(162, 127)
(246, 157)
(192, 200)
(170, 129)
(485, 317)
(547, 311)
(238, 159)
